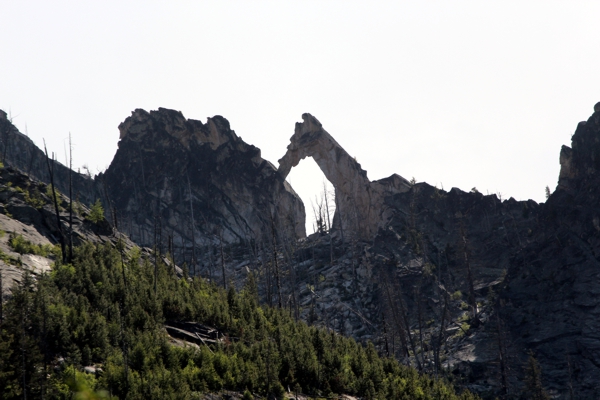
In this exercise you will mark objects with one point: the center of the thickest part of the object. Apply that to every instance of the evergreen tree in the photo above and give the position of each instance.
(96, 212)
(533, 380)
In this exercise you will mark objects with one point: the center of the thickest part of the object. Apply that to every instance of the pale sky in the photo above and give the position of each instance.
(455, 93)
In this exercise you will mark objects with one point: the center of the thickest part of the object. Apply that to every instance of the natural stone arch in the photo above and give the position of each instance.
(359, 202)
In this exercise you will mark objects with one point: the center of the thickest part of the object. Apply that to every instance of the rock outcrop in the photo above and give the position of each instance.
(359, 202)
(533, 269)
(195, 182)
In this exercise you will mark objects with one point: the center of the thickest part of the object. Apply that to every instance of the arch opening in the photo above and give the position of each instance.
(359, 201)
(317, 194)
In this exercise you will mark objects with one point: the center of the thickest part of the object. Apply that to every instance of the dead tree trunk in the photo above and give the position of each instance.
(113, 215)
(267, 274)
(502, 357)
(5, 144)
(60, 232)
(70, 200)
(287, 246)
(222, 259)
(193, 226)
(276, 265)
(420, 317)
(326, 197)
(339, 214)
(437, 342)
(472, 299)
(411, 340)
(385, 336)
(1, 299)
(397, 320)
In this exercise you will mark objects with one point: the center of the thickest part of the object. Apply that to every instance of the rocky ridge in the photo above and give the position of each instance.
(19, 151)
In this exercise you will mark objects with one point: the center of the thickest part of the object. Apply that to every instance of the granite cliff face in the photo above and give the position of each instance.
(533, 271)
(195, 182)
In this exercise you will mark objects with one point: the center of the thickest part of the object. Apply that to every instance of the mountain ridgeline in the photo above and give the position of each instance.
(500, 295)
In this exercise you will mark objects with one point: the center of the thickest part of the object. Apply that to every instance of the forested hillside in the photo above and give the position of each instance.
(107, 311)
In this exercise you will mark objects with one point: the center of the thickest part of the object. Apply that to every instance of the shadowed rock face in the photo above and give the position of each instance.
(175, 175)
(359, 202)
(553, 285)
(582, 160)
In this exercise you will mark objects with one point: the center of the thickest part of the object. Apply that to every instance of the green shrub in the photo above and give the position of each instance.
(51, 197)
(465, 326)
(78, 208)
(8, 259)
(34, 198)
(23, 246)
(50, 194)
(278, 391)
(96, 212)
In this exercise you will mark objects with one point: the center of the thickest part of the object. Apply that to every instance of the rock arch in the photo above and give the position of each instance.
(359, 202)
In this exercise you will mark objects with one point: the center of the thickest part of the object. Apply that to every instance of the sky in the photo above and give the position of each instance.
(454, 93)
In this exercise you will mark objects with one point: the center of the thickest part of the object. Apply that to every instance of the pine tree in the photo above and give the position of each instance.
(96, 212)
(533, 380)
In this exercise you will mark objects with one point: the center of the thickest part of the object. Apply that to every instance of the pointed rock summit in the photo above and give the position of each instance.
(195, 182)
